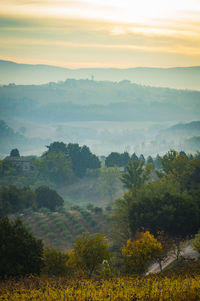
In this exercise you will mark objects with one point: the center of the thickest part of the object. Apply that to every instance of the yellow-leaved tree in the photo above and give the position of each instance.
(88, 254)
(140, 253)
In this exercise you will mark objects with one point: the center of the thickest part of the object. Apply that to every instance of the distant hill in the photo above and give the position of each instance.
(182, 136)
(186, 129)
(178, 78)
(89, 100)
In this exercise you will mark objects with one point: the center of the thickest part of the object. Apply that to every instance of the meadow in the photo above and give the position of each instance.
(152, 288)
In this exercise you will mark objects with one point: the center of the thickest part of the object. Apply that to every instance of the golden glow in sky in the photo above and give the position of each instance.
(101, 33)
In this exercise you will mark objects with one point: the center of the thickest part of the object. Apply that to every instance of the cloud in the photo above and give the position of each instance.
(86, 31)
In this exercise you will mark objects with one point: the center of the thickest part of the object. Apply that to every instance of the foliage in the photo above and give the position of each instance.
(56, 167)
(117, 159)
(183, 287)
(20, 252)
(7, 168)
(136, 173)
(48, 198)
(109, 181)
(121, 230)
(13, 199)
(170, 203)
(81, 157)
(141, 252)
(14, 153)
(159, 206)
(88, 253)
(54, 263)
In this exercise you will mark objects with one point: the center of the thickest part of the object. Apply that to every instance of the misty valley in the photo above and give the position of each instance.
(98, 180)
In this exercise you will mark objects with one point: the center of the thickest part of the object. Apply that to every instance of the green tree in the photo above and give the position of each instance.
(7, 168)
(88, 253)
(113, 159)
(20, 252)
(14, 153)
(48, 198)
(109, 181)
(81, 157)
(136, 174)
(56, 147)
(117, 159)
(125, 158)
(54, 263)
(150, 160)
(120, 229)
(159, 206)
(14, 199)
(56, 167)
(134, 157)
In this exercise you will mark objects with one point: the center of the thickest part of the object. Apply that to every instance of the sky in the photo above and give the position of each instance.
(101, 33)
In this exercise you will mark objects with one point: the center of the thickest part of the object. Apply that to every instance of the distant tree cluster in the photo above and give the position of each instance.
(117, 159)
(14, 199)
(78, 159)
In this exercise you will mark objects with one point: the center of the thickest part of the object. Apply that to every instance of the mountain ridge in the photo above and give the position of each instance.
(172, 77)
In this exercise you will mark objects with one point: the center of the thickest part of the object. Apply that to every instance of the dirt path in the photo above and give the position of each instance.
(187, 252)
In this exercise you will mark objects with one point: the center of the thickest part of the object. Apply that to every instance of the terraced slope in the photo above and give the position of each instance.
(59, 229)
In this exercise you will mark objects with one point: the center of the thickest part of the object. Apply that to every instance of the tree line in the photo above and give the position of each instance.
(14, 199)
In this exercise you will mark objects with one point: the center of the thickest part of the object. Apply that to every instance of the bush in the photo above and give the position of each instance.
(20, 251)
(54, 263)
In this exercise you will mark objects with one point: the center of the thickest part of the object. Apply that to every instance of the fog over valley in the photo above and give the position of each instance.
(106, 116)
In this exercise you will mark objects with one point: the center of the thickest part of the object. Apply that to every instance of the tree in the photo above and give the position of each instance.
(56, 147)
(20, 252)
(56, 167)
(88, 253)
(159, 206)
(157, 162)
(54, 263)
(121, 230)
(117, 159)
(125, 158)
(150, 160)
(82, 159)
(140, 253)
(142, 158)
(48, 198)
(109, 181)
(114, 159)
(14, 199)
(136, 174)
(14, 153)
(7, 168)
(134, 157)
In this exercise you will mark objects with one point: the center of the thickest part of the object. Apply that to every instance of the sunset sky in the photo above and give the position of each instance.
(101, 33)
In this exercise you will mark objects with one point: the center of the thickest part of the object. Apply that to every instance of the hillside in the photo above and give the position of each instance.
(87, 100)
(178, 78)
(60, 229)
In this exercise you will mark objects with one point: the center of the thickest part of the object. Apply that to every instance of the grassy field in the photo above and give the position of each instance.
(152, 288)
